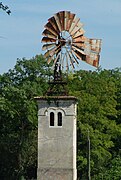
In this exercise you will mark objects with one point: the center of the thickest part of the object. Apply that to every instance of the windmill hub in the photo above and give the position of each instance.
(65, 37)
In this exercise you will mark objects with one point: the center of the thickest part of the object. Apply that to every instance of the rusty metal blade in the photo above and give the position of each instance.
(49, 59)
(48, 34)
(62, 19)
(48, 46)
(50, 52)
(78, 49)
(49, 27)
(57, 50)
(54, 24)
(79, 24)
(70, 20)
(67, 13)
(80, 39)
(67, 21)
(55, 60)
(74, 24)
(51, 56)
(78, 54)
(78, 33)
(75, 30)
(47, 39)
(79, 44)
(57, 19)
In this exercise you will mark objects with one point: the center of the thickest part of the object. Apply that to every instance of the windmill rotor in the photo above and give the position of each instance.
(65, 45)
(63, 37)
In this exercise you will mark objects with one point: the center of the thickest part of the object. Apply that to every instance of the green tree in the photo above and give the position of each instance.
(113, 171)
(97, 112)
(18, 117)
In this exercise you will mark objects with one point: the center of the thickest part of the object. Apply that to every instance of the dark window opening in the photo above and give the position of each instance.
(51, 119)
(59, 119)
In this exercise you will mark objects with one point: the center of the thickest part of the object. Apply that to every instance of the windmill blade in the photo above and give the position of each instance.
(49, 27)
(92, 59)
(48, 46)
(67, 21)
(47, 39)
(70, 20)
(74, 24)
(57, 19)
(67, 14)
(78, 33)
(78, 54)
(63, 58)
(52, 51)
(80, 25)
(76, 28)
(74, 58)
(72, 64)
(80, 39)
(79, 44)
(48, 34)
(78, 49)
(55, 60)
(62, 20)
(49, 59)
(54, 24)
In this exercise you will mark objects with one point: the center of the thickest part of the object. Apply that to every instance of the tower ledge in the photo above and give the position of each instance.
(55, 98)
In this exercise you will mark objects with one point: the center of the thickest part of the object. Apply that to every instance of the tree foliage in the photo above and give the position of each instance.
(18, 117)
(99, 112)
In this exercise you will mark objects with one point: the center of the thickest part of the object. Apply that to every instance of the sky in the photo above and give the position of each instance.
(20, 33)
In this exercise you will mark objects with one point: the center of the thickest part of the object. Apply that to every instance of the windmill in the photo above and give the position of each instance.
(65, 45)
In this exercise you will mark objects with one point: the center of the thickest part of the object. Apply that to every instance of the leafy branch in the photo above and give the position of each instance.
(5, 8)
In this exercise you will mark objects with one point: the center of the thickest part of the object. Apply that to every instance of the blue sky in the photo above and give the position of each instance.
(21, 31)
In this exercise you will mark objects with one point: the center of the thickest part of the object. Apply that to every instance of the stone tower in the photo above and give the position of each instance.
(56, 138)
